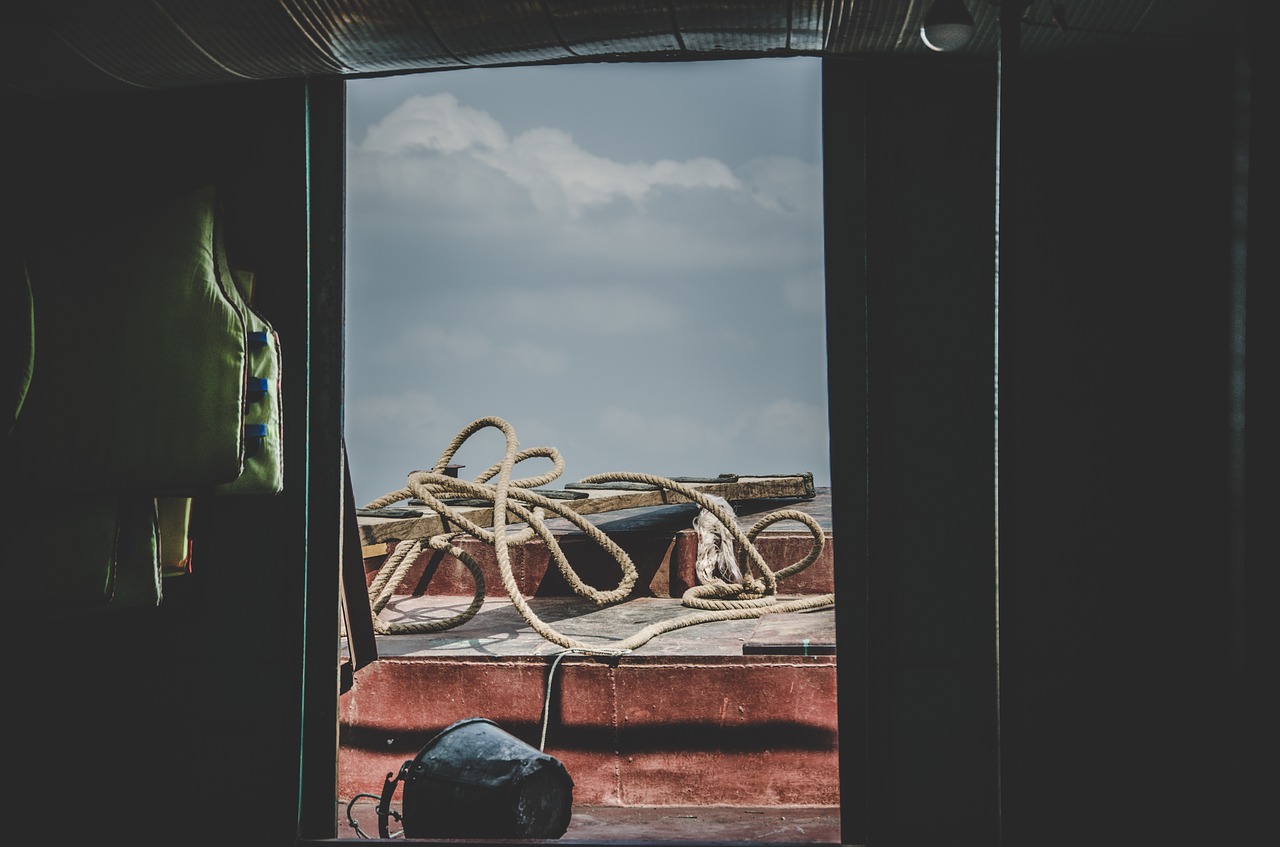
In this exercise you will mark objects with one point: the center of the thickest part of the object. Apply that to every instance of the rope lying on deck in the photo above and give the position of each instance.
(513, 501)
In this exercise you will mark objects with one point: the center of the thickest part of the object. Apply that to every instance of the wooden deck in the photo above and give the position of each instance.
(400, 523)
(648, 736)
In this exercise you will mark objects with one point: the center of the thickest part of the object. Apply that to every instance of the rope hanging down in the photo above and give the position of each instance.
(515, 502)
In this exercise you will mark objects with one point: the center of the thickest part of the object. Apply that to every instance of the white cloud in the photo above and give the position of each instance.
(557, 174)
(413, 191)
(785, 184)
(435, 123)
(562, 177)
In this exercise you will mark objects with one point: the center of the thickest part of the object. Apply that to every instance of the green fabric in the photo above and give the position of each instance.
(136, 574)
(140, 380)
(174, 515)
(263, 471)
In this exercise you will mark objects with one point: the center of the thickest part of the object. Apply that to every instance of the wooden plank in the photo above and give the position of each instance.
(362, 647)
(414, 522)
(793, 634)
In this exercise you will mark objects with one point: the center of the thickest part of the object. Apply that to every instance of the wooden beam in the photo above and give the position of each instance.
(413, 522)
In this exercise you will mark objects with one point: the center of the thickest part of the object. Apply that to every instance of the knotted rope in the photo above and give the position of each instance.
(514, 501)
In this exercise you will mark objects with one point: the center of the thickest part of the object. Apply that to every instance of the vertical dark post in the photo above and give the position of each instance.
(845, 203)
(326, 141)
(1251, 473)
(1008, 81)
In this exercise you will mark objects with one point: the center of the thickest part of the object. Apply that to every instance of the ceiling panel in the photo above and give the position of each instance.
(69, 47)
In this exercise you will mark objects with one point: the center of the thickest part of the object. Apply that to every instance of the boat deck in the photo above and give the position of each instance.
(500, 630)
(717, 731)
(675, 824)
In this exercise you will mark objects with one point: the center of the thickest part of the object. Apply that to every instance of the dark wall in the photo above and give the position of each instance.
(1092, 708)
(1117, 617)
(176, 724)
(914, 148)
(1105, 716)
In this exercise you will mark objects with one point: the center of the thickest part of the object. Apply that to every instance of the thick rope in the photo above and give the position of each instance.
(755, 596)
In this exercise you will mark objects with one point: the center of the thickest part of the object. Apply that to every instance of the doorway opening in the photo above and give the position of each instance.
(622, 264)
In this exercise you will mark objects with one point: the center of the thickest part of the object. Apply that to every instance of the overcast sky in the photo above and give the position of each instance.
(623, 261)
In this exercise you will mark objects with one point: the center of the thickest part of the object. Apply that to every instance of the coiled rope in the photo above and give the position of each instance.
(515, 502)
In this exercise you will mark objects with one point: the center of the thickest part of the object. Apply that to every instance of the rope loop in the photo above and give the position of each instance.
(515, 501)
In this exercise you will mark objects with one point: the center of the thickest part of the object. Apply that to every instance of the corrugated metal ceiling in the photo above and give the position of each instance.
(71, 47)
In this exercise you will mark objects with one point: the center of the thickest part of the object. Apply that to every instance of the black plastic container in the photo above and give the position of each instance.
(475, 780)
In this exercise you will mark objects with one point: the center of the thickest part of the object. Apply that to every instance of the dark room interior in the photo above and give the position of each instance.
(1050, 427)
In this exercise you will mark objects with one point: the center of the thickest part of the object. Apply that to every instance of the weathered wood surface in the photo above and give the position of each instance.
(375, 530)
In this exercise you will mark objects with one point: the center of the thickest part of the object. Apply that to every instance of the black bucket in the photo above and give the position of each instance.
(475, 780)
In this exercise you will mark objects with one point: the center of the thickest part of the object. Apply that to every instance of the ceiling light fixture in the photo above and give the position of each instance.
(947, 26)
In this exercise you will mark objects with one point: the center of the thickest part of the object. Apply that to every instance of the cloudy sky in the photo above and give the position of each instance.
(623, 261)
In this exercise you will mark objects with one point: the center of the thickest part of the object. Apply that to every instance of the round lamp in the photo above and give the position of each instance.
(946, 26)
